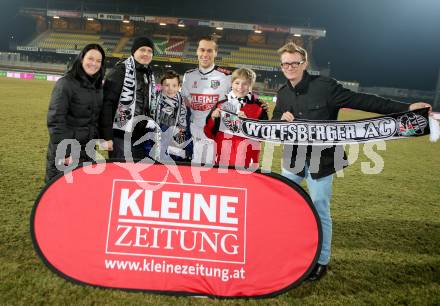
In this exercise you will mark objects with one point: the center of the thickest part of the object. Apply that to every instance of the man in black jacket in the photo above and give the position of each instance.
(130, 88)
(319, 98)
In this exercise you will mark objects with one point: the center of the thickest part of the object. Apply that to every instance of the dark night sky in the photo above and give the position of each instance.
(375, 42)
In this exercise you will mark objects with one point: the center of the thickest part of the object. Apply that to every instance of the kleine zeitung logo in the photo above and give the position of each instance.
(182, 221)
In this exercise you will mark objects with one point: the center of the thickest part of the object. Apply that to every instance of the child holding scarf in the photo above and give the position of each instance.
(235, 150)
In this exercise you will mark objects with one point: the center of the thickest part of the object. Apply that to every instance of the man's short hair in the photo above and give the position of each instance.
(170, 74)
(209, 38)
(291, 47)
(244, 73)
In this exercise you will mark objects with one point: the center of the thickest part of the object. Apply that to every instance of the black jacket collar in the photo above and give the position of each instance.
(302, 86)
(87, 81)
(142, 68)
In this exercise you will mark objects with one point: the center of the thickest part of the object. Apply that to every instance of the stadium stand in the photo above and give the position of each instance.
(160, 43)
(121, 44)
(175, 46)
(163, 46)
(241, 45)
(255, 56)
(72, 41)
(234, 55)
(110, 42)
(166, 48)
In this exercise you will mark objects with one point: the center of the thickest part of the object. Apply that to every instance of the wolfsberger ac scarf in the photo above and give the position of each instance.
(171, 113)
(307, 132)
(124, 116)
(234, 104)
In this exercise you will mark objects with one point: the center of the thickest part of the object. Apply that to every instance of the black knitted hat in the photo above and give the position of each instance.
(140, 42)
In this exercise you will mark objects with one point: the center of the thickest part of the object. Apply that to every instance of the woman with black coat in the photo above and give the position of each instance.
(76, 110)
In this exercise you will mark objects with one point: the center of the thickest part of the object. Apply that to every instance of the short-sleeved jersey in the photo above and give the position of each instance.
(204, 90)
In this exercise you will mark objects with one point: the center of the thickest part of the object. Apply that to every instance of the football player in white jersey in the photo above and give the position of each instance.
(202, 88)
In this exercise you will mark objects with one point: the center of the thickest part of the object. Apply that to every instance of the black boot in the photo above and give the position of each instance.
(318, 272)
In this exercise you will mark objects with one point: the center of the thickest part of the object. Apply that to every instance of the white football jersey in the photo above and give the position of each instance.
(204, 90)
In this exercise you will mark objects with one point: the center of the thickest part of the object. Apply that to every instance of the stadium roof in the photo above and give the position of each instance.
(227, 10)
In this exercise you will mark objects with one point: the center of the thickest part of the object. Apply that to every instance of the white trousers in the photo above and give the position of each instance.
(203, 147)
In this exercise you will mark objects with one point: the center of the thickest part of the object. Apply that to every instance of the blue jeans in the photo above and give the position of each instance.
(320, 190)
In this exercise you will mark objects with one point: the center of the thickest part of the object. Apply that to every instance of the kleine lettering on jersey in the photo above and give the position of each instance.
(203, 102)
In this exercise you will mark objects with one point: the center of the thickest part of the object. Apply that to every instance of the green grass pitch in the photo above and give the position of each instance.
(386, 247)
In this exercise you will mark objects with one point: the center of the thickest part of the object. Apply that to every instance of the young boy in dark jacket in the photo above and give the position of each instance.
(171, 116)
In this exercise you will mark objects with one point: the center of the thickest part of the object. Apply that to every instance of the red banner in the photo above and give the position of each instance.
(177, 229)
